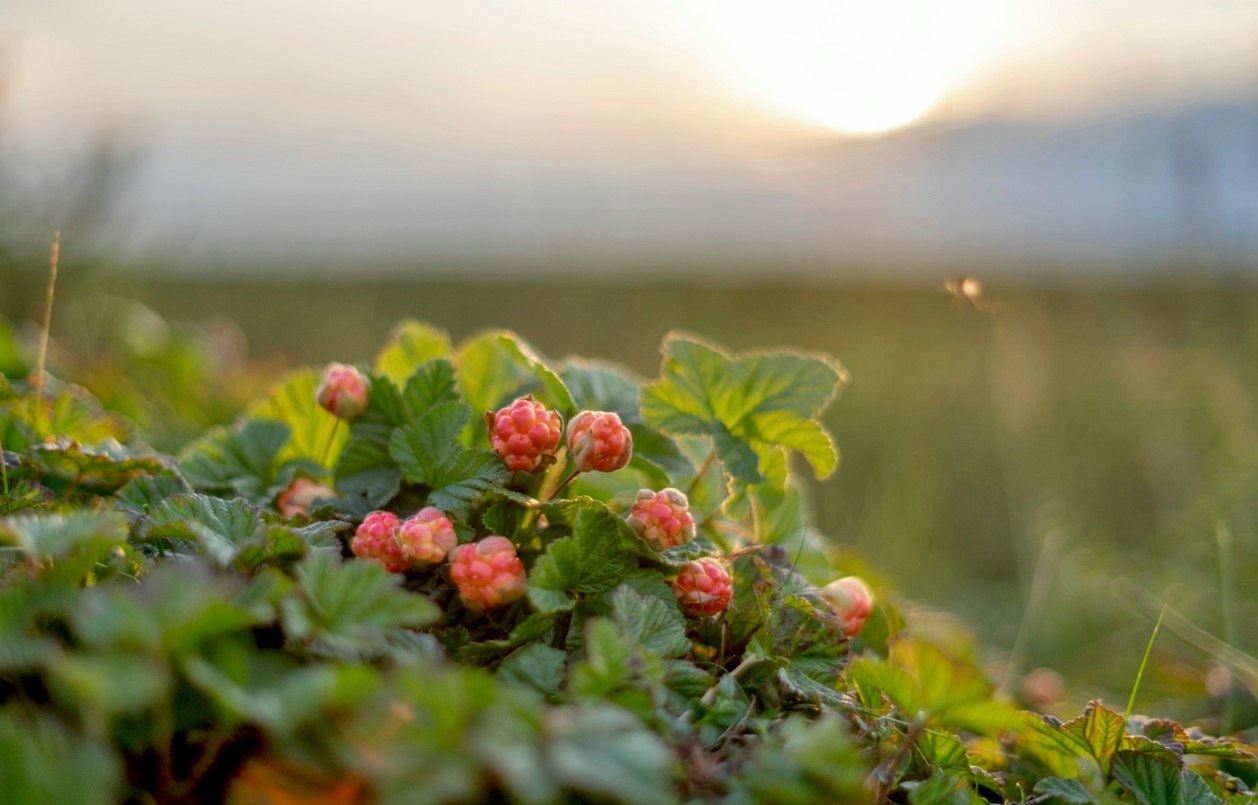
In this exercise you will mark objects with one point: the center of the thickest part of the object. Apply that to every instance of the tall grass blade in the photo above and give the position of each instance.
(1131, 700)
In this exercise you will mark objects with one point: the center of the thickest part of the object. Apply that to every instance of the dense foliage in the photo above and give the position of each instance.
(292, 609)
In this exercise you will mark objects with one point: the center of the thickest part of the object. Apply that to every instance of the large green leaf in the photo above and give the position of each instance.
(243, 460)
(593, 560)
(68, 466)
(1102, 728)
(41, 761)
(605, 753)
(748, 404)
(412, 344)
(314, 434)
(497, 366)
(429, 454)
(649, 623)
(1157, 780)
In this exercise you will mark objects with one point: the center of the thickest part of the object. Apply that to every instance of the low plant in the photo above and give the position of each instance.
(468, 574)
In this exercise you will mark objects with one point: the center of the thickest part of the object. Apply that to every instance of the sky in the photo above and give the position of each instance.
(624, 128)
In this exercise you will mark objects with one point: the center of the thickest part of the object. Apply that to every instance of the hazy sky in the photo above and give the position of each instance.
(510, 94)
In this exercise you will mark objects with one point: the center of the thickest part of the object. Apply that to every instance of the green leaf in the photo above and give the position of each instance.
(1059, 790)
(315, 435)
(593, 560)
(41, 761)
(1102, 729)
(1156, 780)
(649, 623)
(536, 665)
(350, 610)
(497, 366)
(69, 466)
(218, 526)
(57, 536)
(748, 403)
(429, 454)
(412, 344)
(1058, 750)
(139, 497)
(432, 384)
(110, 684)
(606, 753)
(556, 391)
(243, 460)
(943, 789)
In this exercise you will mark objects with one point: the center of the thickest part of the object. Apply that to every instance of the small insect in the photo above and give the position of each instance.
(967, 291)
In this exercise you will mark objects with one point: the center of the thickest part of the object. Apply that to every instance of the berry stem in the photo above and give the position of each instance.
(703, 470)
(327, 447)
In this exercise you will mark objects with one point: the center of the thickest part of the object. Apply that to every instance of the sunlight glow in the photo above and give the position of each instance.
(855, 66)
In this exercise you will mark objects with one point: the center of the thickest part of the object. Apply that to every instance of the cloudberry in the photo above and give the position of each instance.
(296, 499)
(852, 602)
(376, 538)
(599, 441)
(703, 587)
(525, 434)
(426, 537)
(343, 391)
(488, 573)
(662, 518)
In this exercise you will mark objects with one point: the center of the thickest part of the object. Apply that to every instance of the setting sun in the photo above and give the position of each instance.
(855, 67)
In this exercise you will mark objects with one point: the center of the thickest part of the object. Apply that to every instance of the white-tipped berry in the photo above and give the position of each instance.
(488, 573)
(525, 434)
(662, 518)
(376, 538)
(852, 602)
(343, 391)
(426, 537)
(296, 499)
(703, 587)
(599, 441)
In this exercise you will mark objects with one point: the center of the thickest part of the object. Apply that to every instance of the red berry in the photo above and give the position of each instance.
(343, 391)
(599, 441)
(488, 573)
(525, 434)
(426, 537)
(662, 518)
(296, 499)
(703, 587)
(852, 602)
(376, 539)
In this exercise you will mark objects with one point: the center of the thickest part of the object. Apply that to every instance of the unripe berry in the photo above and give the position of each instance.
(703, 587)
(296, 499)
(525, 434)
(376, 538)
(599, 441)
(488, 573)
(343, 391)
(426, 537)
(662, 518)
(852, 602)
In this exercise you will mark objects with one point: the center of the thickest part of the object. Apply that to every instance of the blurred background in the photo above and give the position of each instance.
(1049, 451)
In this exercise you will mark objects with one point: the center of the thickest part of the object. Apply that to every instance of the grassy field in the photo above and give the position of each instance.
(1048, 467)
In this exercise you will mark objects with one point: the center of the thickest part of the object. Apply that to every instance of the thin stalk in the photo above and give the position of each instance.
(1227, 591)
(53, 261)
(703, 470)
(1037, 595)
(327, 448)
(4, 475)
(1131, 700)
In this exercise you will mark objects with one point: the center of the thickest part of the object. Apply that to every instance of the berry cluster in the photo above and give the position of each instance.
(423, 539)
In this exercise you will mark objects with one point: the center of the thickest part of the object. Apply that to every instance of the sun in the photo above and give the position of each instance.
(854, 66)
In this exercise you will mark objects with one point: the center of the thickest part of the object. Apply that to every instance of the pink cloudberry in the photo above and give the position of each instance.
(703, 587)
(426, 537)
(599, 441)
(296, 499)
(852, 602)
(376, 538)
(343, 391)
(488, 573)
(662, 518)
(525, 434)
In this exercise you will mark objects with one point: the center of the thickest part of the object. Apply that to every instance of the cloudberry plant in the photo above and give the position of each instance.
(426, 537)
(852, 602)
(525, 434)
(599, 441)
(703, 587)
(488, 573)
(662, 518)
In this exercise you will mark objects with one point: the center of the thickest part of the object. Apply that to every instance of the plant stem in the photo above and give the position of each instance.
(703, 470)
(53, 261)
(1227, 591)
(327, 448)
(1131, 700)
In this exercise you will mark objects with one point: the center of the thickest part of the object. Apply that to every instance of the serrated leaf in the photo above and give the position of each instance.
(1102, 729)
(432, 384)
(139, 496)
(218, 526)
(746, 403)
(55, 536)
(537, 666)
(366, 468)
(243, 460)
(649, 623)
(1059, 790)
(69, 466)
(412, 344)
(606, 753)
(557, 392)
(315, 435)
(422, 448)
(1156, 780)
(1058, 750)
(593, 560)
(350, 609)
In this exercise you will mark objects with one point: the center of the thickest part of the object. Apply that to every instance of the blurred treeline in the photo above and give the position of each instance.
(1047, 464)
